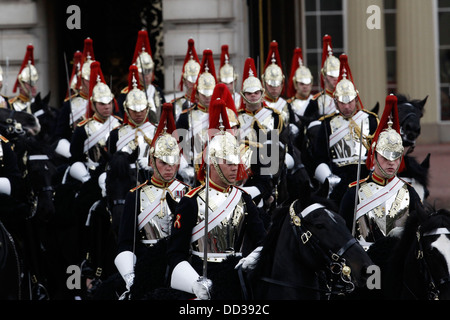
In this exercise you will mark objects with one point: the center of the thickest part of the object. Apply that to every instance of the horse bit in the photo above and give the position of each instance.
(336, 263)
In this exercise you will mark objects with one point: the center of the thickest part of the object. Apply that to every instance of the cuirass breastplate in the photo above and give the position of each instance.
(91, 127)
(78, 105)
(197, 118)
(326, 104)
(134, 143)
(222, 237)
(299, 106)
(346, 150)
(282, 106)
(160, 225)
(20, 105)
(391, 213)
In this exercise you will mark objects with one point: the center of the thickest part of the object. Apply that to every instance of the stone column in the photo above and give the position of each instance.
(366, 50)
(416, 59)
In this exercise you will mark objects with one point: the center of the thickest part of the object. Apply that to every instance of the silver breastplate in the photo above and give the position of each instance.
(391, 213)
(299, 106)
(160, 225)
(346, 150)
(222, 238)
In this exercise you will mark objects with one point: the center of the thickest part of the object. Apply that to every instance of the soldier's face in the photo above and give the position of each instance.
(166, 170)
(138, 116)
(104, 110)
(303, 89)
(330, 82)
(203, 100)
(274, 91)
(253, 97)
(347, 110)
(390, 167)
(229, 171)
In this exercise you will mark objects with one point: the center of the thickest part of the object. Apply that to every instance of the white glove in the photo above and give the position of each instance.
(289, 161)
(333, 180)
(201, 288)
(5, 186)
(249, 262)
(63, 148)
(293, 129)
(186, 279)
(102, 183)
(125, 262)
(79, 172)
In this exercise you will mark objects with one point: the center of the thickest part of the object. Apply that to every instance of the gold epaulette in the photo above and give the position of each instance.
(70, 97)
(13, 99)
(193, 192)
(4, 139)
(317, 95)
(124, 90)
(82, 123)
(370, 112)
(290, 100)
(139, 186)
(354, 183)
(118, 118)
(327, 116)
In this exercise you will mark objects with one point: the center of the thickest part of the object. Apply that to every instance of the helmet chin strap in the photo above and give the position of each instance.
(385, 174)
(253, 102)
(156, 171)
(219, 172)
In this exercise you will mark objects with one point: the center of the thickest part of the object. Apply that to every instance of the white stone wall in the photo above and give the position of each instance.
(211, 23)
(22, 23)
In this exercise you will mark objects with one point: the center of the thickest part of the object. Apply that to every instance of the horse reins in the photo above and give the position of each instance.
(333, 260)
(433, 293)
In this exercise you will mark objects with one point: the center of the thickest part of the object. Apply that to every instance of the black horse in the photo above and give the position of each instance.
(410, 111)
(309, 253)
(418, 263)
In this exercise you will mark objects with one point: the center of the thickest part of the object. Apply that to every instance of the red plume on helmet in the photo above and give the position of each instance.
(390, 113)
(273, 54)
(344, 68)
(207, 63)
(221, 91)
(133, 73)
(166, 122)
(326, 47)
(191, 52)
(142, 44)
(249, 69)
(76, 71)
(218, 117)
(297, 62)
(29, 56)
(96, 73)
(88, 50)
(224, 56)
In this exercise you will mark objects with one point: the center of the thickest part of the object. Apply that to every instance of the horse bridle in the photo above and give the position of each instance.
(11, 126)
(433, 285)
(334, 262)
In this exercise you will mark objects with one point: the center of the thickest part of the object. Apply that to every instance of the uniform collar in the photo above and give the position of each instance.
(270, 99)
(202, 108)
(252, 113)
(24, 98)
(159, 183)
(216, 187)
(98, 119)
(328, 92)
(83, 95)
(380, 180)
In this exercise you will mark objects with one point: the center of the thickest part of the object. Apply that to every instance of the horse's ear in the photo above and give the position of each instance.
(426, 162)
(323, 189)
(376, 109)
(134, 155)
(47, 98)
(422, 104)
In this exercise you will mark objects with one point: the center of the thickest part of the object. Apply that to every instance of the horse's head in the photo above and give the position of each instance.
(46, 114)
(433, 254)
(15, 124)
(330, 245)
(410, 112)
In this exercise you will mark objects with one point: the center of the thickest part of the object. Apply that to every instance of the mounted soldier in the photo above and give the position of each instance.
(260, 125)
(336, 149)
(4, 103)
(148, 213)
(26, 82)
(146, 66)
(194, 121)
(228, 75)
(189, 74)
(73, 110)
(378, 205)
(136, 130)
(216, 210)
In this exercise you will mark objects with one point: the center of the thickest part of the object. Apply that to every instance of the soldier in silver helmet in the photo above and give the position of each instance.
(3, 99)
(149, 210)
(383, 200)
(336, 148)
(136, 131)
(229, 209)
